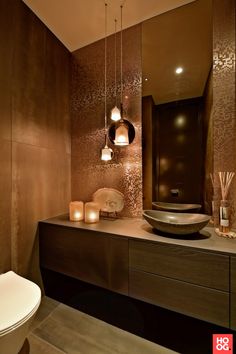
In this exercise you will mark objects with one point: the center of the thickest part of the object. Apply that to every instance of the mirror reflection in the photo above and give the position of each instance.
(177, 105)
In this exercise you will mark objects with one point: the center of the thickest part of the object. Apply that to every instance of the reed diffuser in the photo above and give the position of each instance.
(213, 201)
(225, 182)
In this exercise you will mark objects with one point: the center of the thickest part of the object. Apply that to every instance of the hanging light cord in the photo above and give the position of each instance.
(105, 85)
(121, 56)
(115, 64)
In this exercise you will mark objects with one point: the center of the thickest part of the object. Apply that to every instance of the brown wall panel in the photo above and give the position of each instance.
(6, 57)
(6, 48)
(40, 188)
(5, 205)
(35, 126)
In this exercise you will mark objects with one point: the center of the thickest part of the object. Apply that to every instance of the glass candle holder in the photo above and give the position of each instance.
(76, 211)
(91, 212)
(224, 216)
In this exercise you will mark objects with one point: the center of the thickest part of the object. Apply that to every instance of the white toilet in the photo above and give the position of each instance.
(19, 301)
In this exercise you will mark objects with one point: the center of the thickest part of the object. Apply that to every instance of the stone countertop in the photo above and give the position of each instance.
(139, 229)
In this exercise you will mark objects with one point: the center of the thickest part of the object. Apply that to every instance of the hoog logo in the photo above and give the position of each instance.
(222, 343)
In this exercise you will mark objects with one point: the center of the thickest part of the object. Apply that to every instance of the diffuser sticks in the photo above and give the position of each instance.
(225, 182)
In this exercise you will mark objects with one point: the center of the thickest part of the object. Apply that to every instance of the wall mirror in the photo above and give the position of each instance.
(177, 105)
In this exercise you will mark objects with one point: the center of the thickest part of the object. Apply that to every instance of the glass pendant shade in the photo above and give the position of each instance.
(115, 114)
(106, 153)
(122, 134)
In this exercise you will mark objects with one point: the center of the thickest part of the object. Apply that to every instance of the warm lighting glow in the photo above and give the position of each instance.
(164, 164)
(76, 211)
(121, 135)
(179, 70)
(106, 154)
(163, 190)
(115, 114)
(180, 121)
(146, 79)
(91, 212)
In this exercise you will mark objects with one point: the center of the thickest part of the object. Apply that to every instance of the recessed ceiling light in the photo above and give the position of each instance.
(179, 70)
(146, 79)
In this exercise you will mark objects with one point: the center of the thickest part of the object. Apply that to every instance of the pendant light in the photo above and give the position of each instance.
(106, 152)
(115, 112)
(121, 131)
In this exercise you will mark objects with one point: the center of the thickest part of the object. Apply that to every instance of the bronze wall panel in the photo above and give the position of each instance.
(34, 132)
(40, 86)
(124, 172)
(6, 45)
(5, 205)
(40, 189)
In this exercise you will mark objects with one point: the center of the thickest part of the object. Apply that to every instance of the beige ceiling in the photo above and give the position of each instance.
(181, 37)
(77, 23)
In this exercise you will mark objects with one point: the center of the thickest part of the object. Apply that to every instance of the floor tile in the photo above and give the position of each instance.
(39, 346)
(46, 307)
(77, 333)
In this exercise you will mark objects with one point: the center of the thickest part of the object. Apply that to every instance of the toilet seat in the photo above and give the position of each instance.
(19, 299)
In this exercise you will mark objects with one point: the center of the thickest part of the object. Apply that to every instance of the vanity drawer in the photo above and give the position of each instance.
(182, 263)
(233, 293)
(192, 300)
(89, 256)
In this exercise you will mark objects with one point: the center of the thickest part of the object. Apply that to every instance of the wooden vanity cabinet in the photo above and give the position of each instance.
(181, 279)
(233, 294)
(190, 280)
(92, 257)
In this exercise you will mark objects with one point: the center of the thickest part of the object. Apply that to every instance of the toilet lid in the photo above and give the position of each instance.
(18, 298)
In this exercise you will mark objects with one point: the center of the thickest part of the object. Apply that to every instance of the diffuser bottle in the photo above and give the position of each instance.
(224, 216)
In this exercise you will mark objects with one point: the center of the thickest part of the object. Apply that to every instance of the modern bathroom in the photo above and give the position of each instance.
(117, 182)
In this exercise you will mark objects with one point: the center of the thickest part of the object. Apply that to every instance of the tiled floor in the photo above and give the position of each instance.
(59, 329)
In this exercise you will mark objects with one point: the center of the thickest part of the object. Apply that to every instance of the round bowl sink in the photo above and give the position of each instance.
(176, 223)
(176, 207)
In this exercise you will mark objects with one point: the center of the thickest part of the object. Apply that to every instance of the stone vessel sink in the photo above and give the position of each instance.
(176, 223)
(176, 207)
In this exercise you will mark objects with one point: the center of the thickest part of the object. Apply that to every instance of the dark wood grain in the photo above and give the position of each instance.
(178, 152)
(91, 257)
(147, 117)
(201, 268)
(192, 300)
(233, 294)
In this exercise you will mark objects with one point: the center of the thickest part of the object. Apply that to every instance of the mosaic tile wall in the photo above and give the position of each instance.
(124, 172)
(224, 93)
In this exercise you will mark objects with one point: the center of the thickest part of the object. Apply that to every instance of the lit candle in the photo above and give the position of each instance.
(91, 212)
(76, 211)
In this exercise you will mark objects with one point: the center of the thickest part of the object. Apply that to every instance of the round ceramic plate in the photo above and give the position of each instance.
(109, 199)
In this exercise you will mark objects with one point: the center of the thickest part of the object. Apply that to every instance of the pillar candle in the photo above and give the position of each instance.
(91, 212)
(76, 211)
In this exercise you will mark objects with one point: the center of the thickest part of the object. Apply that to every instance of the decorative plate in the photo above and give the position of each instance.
(109, 199)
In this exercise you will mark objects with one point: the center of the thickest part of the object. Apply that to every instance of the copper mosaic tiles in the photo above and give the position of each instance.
(224, 120)
(124, 172)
